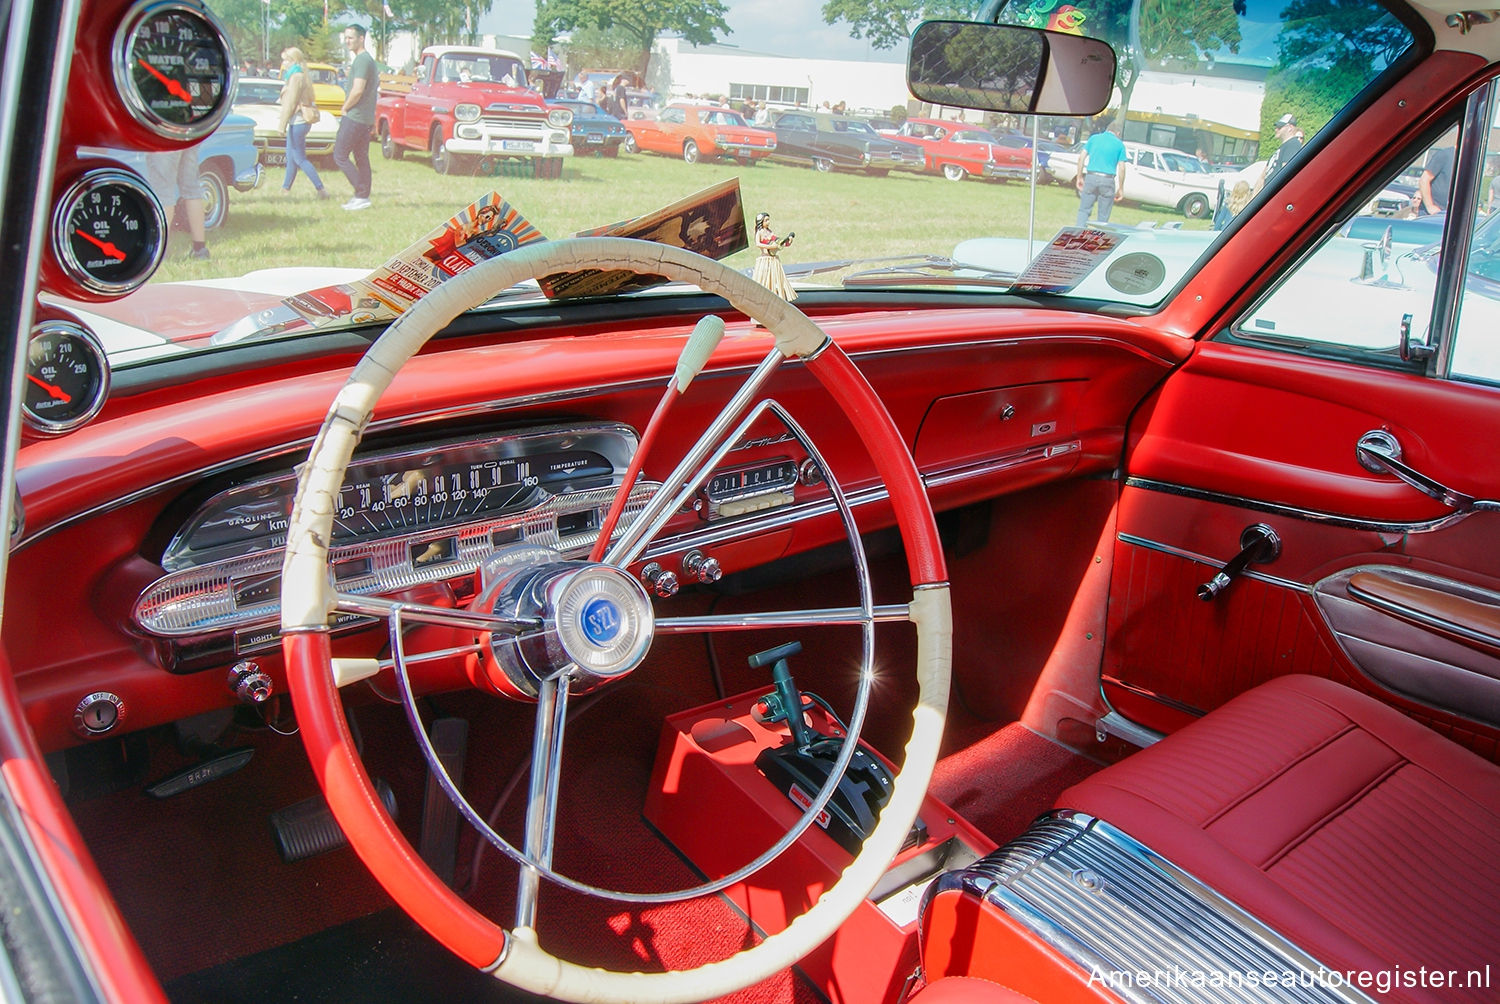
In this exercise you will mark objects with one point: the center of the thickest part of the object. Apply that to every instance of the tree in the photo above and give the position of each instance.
(889, 23)
(700, 22)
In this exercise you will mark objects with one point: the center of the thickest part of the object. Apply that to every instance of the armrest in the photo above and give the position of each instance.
(1475, 623)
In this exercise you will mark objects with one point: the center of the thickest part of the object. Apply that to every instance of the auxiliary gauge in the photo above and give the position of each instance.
(174, 68)
(67, 377)
(108, 232)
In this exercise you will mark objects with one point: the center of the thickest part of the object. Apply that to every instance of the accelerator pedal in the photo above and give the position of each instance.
(439, 843)
(307, 828)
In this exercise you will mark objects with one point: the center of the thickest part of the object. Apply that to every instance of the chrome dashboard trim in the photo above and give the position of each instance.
(1178, 552)
(1111, 905)
(1294, 512)
(474, 411)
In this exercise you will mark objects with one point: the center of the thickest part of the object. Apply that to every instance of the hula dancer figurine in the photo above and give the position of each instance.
(768, 271)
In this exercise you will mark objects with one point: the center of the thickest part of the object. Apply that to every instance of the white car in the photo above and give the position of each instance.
(260, 99)
(1159, 176)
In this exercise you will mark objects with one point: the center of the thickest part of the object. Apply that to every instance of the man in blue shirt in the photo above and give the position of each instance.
(1101, 178)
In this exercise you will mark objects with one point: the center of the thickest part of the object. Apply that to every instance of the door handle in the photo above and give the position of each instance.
(1378, 451)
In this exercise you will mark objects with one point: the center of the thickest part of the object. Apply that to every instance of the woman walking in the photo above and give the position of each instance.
(299, 110)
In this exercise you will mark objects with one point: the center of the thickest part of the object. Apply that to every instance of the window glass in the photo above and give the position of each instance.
(1379, 267)
(673, 115)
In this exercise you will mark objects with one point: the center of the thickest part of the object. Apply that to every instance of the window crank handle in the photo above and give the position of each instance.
(1258, 544)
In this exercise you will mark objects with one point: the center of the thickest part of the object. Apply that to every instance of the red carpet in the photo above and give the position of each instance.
(1004, 781)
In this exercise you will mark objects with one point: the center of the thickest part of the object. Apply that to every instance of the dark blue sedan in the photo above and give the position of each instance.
(594, 131)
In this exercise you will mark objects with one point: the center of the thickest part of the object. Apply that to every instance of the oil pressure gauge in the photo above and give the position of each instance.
(174, 68)
(67, 377)
(109, 232)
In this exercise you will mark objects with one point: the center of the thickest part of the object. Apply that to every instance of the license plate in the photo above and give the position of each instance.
(273, 159)
(594, 138)
(517, 144)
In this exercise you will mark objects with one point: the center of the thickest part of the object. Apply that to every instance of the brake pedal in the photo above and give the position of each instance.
(307, 828)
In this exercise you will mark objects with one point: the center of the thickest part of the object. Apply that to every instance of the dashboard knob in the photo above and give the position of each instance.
(700, 566)
(660, 581)
(249, 682)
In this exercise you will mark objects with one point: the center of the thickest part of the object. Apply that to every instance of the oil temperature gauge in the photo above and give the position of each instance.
(67, 378)
(108, 232)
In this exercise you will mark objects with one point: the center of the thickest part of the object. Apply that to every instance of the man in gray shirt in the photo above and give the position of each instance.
(351, 147)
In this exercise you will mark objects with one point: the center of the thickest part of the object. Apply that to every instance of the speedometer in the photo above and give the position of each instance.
(174, 69)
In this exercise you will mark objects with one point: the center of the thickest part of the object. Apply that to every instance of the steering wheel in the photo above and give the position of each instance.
(308, 601)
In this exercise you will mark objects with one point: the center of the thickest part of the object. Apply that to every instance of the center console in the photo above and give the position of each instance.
(712, 802)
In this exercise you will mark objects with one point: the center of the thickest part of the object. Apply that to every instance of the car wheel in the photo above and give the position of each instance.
(823, 164)
(442, 160)
(630, 144)
(389, 148)
(215, 198)
(1195, 207)
(690, 153)
(954, 173)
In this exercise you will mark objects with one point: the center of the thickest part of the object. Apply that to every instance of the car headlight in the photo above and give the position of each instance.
(466, 112)
(560, 117)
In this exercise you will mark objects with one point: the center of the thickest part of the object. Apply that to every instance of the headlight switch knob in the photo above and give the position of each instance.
(249, 682)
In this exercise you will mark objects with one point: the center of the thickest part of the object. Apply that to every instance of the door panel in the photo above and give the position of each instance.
(1242, 436)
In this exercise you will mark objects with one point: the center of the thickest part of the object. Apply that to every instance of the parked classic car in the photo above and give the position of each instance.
(228, 158)
(469, 108)
(328, 87)
(697, 132)
(259, 99)
(1157, 176)
(956, 150)
(592, 131)
(487, 645)
(828, 142)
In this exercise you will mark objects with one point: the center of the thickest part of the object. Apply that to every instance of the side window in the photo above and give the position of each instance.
(1370, 284)
(1145, 159)
(676, 115)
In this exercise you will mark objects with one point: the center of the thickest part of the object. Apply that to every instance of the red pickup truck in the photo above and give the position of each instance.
(469, 108)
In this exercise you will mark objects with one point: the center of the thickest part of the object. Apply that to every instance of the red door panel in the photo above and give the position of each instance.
(1241, 436)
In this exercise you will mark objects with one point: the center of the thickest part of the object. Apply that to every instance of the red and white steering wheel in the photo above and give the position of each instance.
(594, 623)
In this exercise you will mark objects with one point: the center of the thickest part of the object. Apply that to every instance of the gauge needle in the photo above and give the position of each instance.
(108, 247)
(173, 87)
(57, 393)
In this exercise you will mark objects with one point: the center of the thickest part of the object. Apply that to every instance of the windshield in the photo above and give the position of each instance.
(281, 220)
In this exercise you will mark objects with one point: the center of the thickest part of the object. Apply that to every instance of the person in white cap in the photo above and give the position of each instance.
(1291, 145)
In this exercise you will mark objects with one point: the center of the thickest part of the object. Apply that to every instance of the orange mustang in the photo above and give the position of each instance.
(701, 131)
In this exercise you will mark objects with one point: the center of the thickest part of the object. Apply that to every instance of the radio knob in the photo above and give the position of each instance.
(809, 473)
(700, 566)
(249, 682)
(660, 581)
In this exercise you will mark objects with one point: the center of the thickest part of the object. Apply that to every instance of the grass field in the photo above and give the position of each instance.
(835, 216)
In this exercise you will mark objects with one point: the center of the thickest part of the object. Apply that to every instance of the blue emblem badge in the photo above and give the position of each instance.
(601, 620)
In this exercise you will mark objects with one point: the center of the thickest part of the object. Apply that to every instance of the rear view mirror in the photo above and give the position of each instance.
(1005, 68)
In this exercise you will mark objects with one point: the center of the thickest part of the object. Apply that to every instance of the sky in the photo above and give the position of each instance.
(780, 27)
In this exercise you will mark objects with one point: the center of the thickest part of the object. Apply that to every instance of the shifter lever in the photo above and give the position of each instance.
(1258, 544)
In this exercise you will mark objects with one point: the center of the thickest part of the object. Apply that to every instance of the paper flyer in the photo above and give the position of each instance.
(489, 226)
(1071, 255)
(710, 222)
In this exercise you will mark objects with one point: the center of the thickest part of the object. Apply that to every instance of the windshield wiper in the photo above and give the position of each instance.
(910, 269)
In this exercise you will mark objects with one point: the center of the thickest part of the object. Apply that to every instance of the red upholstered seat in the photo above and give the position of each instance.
(1365, 838)
(967, 990)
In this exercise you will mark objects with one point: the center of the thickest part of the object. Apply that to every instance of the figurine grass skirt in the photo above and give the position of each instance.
(769, 273)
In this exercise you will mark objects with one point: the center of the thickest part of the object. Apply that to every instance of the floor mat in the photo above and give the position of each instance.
(1005, 780)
